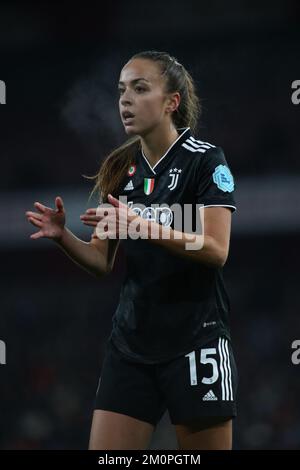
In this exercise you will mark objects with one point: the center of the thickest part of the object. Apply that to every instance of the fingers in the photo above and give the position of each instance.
(33, 214)
(91, 223)
(94, 215)
(91, 211)
(90, 218)
(36, 235)
(59, 204)
(93, 220)
(35, 221)
(99, 212)
(40, 207)
(115, 202)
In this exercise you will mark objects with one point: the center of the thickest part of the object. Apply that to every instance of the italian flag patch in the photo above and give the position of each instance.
(148, 185)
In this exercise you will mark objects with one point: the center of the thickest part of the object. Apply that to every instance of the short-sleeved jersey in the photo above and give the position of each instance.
(170, 304)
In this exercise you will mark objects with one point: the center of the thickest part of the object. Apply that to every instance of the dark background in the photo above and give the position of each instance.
(61, 64)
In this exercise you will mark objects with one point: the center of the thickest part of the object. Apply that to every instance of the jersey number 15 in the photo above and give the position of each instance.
(204, 359)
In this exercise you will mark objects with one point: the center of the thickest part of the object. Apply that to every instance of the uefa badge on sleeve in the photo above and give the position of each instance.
(223, 178)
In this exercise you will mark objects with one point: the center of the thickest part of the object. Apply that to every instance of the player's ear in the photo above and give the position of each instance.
(173, 102)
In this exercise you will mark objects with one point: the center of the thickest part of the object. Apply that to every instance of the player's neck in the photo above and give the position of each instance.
(156, 144)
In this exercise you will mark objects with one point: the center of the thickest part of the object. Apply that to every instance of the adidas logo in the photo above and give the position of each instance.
(210, 396)
(129, 186)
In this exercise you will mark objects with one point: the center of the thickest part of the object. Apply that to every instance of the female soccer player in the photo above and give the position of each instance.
(170, 344)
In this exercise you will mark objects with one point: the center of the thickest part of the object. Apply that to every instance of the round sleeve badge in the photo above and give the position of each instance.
(223, 178)
(131, 170)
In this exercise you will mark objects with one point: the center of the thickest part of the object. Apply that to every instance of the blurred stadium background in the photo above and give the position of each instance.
(61, 64)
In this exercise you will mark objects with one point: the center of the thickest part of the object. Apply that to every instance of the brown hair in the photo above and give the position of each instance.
(115, 166)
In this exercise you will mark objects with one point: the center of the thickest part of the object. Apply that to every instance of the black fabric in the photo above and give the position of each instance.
(193, 387)
(169, 303)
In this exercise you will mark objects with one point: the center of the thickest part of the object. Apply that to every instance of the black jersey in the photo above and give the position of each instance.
(169, 303)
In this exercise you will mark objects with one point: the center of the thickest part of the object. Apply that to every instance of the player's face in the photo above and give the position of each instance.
(143, 99)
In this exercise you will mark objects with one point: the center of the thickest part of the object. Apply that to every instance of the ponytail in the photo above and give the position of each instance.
(114, 169)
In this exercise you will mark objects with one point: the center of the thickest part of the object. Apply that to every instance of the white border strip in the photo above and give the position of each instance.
(178, 138)
(229, 368)
(222, 369)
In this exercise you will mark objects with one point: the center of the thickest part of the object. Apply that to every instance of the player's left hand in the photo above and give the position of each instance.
(111, 222)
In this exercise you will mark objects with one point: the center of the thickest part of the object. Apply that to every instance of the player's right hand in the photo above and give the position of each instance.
(50, 222)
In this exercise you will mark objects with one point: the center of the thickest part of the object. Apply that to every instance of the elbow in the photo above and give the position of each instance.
(100, 274)
(108, 269)
(217, 258)
(216, 254)
(214, 260)
(220, 258)
(219, 253)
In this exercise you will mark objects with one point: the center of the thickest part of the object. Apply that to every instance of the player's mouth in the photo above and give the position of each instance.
(128, 118)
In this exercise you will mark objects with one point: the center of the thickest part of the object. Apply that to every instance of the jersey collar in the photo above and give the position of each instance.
(184, 133)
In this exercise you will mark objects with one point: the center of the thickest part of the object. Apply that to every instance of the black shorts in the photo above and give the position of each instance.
(198, 385)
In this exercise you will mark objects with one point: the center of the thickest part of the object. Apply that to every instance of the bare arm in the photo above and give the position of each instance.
(96, 257)
(211, 249)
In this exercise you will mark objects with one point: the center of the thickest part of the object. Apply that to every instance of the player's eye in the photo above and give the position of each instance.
(138, 89)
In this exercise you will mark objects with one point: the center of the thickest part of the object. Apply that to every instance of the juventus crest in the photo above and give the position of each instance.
(174, 174)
